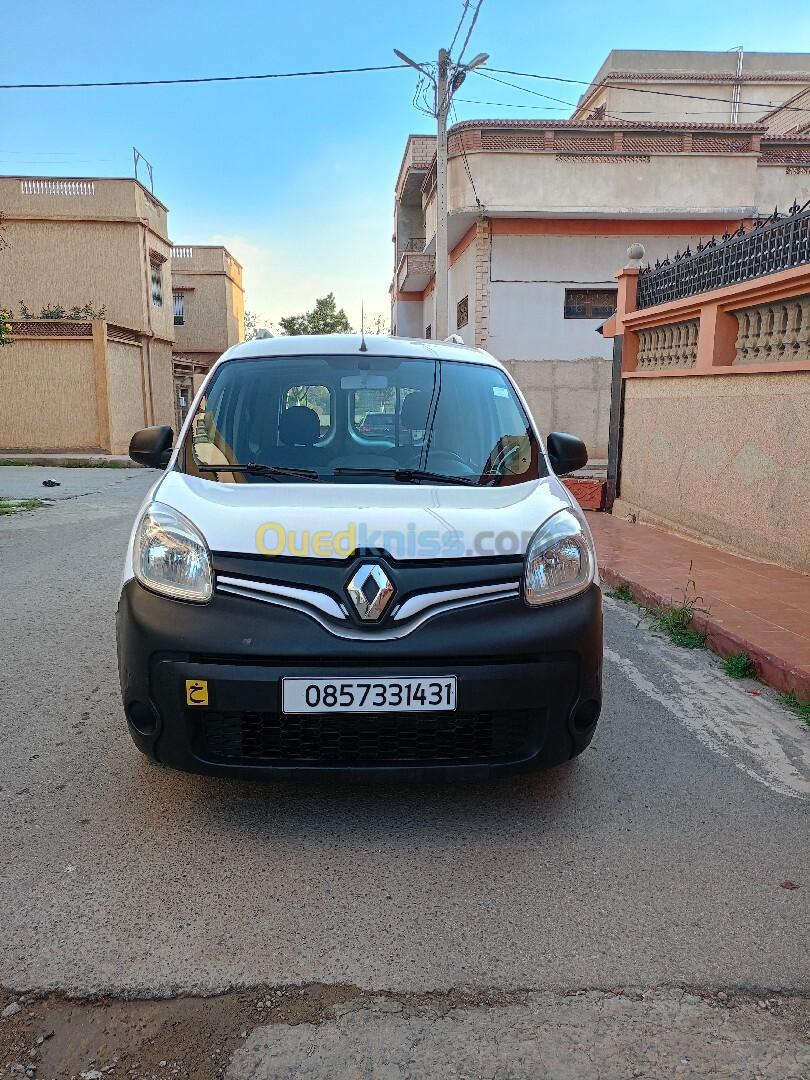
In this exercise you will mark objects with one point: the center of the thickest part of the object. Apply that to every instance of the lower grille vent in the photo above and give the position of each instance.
(335, 739)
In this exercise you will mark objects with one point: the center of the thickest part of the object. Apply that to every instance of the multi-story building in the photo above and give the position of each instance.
(87, 277)
(209, 313)
(71, 243)
(714, 87)
(540, 212)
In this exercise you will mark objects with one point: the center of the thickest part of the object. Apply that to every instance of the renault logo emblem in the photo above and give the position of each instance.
(370, 591)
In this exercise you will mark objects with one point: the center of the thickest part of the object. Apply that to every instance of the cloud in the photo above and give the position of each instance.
(286, 276)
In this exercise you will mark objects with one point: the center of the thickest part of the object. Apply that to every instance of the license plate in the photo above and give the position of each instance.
(369, 695)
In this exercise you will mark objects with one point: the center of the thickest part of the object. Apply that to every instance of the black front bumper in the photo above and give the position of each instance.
(529, 687)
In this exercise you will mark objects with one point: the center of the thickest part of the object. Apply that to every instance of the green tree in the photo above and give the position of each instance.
(255, 326)
(325, 318)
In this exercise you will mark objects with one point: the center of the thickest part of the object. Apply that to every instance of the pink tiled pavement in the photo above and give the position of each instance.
(753, 607)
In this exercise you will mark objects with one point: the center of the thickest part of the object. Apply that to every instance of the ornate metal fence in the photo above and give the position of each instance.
(774, 243)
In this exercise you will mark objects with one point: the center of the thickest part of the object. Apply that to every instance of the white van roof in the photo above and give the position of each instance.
(339, 344)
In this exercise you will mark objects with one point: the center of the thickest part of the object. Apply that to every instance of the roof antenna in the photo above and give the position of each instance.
(363, 347)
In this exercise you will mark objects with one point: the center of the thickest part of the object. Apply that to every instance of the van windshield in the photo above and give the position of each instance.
(361, 419)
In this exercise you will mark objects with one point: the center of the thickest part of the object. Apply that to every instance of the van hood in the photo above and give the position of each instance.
(408, 521)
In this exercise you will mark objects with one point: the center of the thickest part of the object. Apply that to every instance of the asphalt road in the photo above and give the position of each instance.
(655, 860)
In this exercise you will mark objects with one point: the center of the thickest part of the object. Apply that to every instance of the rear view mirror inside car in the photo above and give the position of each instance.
(364, 381)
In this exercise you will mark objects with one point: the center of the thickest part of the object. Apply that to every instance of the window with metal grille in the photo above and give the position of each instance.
(428, 331)
(589, 303)
(179, 303)
(156, 277)
(462, 312)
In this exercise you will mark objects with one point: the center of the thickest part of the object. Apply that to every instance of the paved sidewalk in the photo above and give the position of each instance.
(753, 607)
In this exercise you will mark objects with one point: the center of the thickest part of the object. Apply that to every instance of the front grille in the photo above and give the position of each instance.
(384, 738)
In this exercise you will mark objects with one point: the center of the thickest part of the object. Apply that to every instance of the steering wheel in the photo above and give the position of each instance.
(505, 455)
(450, 455)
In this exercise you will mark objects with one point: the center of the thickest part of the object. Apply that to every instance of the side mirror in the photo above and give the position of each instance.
(567, 453)
(152, 446)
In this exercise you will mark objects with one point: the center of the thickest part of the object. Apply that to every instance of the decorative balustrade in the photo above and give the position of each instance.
(775, 333)
(664, 347)
(182, 252)
(776, 243)
(33, 186)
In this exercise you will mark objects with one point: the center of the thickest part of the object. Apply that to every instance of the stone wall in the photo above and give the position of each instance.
(48, 394)
(725, 458)
(568, 395)
(68, 385)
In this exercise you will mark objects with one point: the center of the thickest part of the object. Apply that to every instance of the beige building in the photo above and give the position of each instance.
(87, 276)
(715, 87)
(541, 212)
(78, 385)
(71, 243)
(208, 304)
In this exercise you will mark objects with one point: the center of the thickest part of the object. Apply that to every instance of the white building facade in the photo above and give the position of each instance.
(540, 215)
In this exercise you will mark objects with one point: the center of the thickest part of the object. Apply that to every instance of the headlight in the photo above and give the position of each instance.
(171, 557)
(560, 560)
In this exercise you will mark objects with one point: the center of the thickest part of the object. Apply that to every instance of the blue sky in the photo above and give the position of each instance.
(297, 176)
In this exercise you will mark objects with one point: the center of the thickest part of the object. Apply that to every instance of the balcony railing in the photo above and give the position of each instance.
(182, 252)
(412, 244)
(778, 242)
(414, 271)
(32, 186)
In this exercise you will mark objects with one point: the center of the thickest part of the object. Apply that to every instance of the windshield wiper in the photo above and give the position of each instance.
(255, 468)
(405, 475)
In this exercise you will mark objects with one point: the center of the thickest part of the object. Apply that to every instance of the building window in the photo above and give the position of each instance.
(156, 277)
(462, 312)
(428, 331)
(589, 303)
(179, 303)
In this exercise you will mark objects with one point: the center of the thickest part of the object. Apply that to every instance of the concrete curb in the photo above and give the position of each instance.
(771, 669)
(87, 461)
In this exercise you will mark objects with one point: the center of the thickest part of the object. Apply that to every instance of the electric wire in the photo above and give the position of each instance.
(394, 67)
(469, 31)
(202, 79)
(467, 169)
(536, 93)
(464, 11)
(644, 90)
(508, 104)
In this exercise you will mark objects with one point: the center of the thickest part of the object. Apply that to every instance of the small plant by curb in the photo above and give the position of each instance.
(675, 620)
(12, 506)
(621, 592)
(739, 666)
(798, 708)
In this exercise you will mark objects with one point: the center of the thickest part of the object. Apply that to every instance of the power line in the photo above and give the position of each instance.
(202, 79)
(469, 31)
(464, 11)
(464, 156)
(536, 93)
(643, 90)
(526, 89)
(508, 104)
(559, 108)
